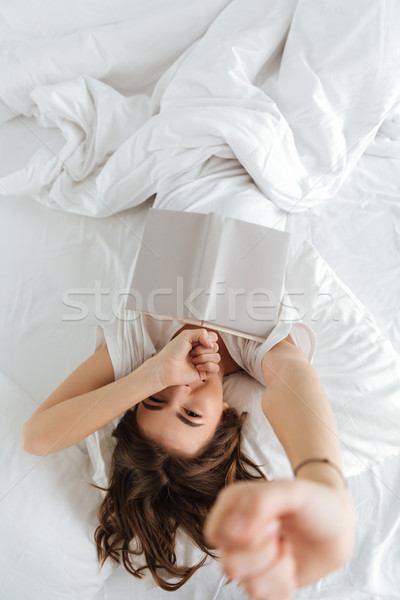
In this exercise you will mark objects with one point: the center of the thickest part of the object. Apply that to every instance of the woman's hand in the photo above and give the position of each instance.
(277, 536)
(175, 364)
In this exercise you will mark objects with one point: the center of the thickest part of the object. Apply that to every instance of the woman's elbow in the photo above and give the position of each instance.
(30, 441)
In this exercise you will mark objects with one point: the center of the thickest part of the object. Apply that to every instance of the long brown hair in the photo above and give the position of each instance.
(153, 491)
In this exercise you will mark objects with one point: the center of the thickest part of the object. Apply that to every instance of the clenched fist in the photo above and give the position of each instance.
(175, 364)
(277, 536)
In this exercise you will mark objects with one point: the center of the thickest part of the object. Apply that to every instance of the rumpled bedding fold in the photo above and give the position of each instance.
(295, 92)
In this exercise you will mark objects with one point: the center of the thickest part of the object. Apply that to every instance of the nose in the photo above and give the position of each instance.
(176, 391)
(182, 391)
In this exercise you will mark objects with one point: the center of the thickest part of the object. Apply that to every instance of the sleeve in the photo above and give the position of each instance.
(127, 342)
(249, 354)
(303, 336)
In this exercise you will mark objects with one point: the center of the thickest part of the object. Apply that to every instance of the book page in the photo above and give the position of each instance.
(175, 264)
(249, 277)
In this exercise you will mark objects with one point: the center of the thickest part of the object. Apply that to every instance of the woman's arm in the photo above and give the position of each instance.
(89, 398)
(85, 401)
(298, 410)
(277, 536)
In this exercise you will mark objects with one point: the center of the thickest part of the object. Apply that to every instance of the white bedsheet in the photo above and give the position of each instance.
(357, 231)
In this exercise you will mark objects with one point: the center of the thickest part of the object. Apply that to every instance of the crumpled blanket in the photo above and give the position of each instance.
(293, 91)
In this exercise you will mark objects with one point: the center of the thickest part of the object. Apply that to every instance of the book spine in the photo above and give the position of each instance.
(207, 325)
(243, 334)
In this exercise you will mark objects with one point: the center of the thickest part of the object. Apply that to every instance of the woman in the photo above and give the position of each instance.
(178, 444)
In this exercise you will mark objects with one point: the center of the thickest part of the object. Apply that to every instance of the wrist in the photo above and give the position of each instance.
(322, 473)
(333, 521)
(148, 376)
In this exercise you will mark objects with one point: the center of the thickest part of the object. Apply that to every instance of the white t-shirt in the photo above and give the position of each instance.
(133, 337)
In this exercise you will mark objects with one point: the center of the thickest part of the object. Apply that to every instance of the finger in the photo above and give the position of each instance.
(203, 353)
(243, 509)
(206, 338)
(245, 563)
(198, 349)
(208, 366)
(277, 582)
(206, 357)
(195, 345)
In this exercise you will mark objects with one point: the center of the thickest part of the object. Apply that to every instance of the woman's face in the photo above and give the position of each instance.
(182, 418)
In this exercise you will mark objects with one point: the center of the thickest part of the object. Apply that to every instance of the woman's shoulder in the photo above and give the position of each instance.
(287, 337)
(159, 329)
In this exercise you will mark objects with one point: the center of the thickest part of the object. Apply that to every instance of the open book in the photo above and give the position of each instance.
(211, 271)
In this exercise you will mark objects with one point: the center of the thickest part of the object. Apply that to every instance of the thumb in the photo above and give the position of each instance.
(245, 513)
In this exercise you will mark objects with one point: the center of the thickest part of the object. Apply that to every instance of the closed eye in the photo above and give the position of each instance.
(191, 414)
(156, 399)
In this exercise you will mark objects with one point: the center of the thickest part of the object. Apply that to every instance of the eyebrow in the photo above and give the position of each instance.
(181, 417)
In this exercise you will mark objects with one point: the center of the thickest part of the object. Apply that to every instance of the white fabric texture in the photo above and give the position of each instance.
(47, 516)
(251, 87)
(224, 186)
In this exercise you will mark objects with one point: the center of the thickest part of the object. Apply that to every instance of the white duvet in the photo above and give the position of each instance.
(295, 91)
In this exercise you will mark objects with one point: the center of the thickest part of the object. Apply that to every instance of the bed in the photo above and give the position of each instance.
(105, 113)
